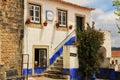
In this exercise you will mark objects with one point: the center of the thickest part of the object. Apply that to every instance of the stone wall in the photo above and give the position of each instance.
(2, 72)
(12, 28)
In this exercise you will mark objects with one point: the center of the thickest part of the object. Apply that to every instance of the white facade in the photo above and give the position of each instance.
(51, 38)
(107, 43)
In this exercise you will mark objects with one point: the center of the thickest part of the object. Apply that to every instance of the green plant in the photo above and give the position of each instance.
(90, 41)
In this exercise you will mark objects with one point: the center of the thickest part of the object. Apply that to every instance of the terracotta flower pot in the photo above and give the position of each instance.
(70, 27)
(28, 21)
(45, 24)
(57, 25)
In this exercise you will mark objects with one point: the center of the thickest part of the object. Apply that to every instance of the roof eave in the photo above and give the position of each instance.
(75, 5)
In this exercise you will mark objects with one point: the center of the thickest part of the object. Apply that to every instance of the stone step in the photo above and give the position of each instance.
(60, 60)
(58, 64)
(57, 68)
(61, 57)
(54, 72)
(55, 76)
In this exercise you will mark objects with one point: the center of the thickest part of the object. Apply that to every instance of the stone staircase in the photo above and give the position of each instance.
(56, 70)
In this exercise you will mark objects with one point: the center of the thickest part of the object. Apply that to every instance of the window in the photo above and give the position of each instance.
(80, 22)
(62, 18)
(40, 58)
(35, 12)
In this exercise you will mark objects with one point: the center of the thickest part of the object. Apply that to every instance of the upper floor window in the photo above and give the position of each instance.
(62, 18)
(35, 12)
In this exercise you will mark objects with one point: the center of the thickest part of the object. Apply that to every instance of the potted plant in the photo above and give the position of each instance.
(57, 25)
(28, 21)
(70, 27)
(45, 23)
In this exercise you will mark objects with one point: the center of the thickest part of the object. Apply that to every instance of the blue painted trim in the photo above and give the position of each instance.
(39, 70)
(29, 71)
(36, 71)
(73, 72)
(59, 52)
(106, 73)
(70, 41)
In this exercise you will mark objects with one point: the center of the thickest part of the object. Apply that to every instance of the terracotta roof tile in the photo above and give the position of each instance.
(116, 53)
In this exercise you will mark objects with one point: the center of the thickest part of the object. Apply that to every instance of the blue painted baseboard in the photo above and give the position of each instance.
(36, 71)
(73, 72)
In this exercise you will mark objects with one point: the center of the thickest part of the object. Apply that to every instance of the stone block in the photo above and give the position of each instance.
(11, 23)
(2, 72)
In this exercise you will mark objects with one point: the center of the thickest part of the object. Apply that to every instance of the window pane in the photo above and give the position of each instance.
(59, 17)
(64, 18)
(40, 58)
(37, 14)
(64, 23)
(36, 19)
(31, 13)
(31, 7)
(43, 58)
(59, 12)
(64, 13)
(32, 18)
(37, 8)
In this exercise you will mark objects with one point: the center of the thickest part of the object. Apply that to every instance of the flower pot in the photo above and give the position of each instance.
(57, 25)
(27, 21)
(70, 27)
(45, 24)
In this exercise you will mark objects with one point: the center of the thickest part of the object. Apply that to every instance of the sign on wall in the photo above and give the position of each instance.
(73, 54)
(49, 15)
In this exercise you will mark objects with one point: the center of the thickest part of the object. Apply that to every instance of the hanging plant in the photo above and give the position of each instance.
(45, 23)
(70, 27)
(28, 21)
(57, 25)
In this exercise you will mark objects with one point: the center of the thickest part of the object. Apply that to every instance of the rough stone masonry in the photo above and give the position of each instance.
(11, 33)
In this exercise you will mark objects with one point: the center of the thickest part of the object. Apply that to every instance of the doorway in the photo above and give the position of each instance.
(80, 22)
(40, 58)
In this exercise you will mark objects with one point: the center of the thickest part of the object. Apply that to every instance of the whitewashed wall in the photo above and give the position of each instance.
(45, 36)
(70, 61)
(107, 43)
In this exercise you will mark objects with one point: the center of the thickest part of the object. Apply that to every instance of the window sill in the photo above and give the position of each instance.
(62, 28)
(35, 25)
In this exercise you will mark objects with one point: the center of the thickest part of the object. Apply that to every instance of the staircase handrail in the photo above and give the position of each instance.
(63, 42)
